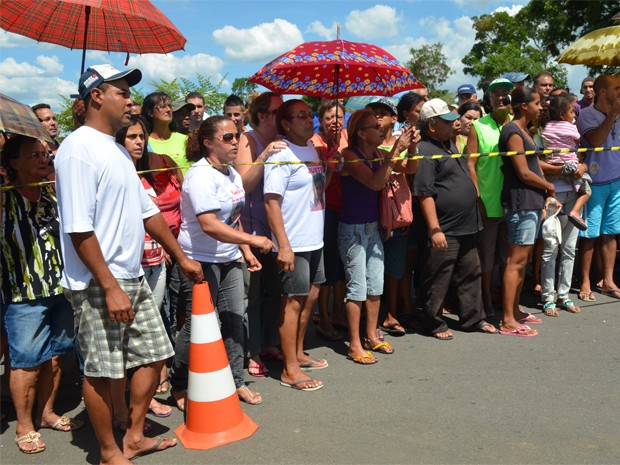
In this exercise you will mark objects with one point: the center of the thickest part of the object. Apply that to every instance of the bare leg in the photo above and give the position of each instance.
(98, 402)
(536, 265)
(306, 310)
(23, 391)
(354, 311)
(143, 384)
(579, 204)
(325, 323)
(339, 290)
(289, 333)
(608, 255)
(391, 289)
(586, 252)
(47, 389)
(487, 299)
(119, 402)
(512, 282)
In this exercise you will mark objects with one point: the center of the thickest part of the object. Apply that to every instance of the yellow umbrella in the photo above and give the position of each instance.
(597, 48)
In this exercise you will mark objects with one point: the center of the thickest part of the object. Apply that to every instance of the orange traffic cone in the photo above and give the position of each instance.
(214, 415)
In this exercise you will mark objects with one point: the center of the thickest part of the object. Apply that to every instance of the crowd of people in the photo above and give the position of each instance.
(280, 220)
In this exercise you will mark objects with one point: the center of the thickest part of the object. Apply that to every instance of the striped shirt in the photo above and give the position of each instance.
(560, 135)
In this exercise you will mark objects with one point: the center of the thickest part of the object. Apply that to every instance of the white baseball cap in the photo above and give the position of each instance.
(437, 107)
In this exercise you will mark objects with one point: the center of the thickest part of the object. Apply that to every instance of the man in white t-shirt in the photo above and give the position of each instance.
(104, 212)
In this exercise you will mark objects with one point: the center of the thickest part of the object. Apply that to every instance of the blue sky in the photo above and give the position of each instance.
(235, 38)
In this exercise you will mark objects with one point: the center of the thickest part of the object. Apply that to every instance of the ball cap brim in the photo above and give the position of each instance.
(98, 74)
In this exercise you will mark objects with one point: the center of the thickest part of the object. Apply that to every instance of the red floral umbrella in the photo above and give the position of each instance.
(131, 26)
(335, 69)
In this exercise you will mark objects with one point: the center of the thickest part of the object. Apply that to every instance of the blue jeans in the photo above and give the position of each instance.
(226, 287)
(522, 225)
(361, 251)
(38, 329)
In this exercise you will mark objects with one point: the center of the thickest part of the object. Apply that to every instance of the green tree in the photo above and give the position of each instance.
(500, 47)
(428, 65)
(243, 88)
(531, 40)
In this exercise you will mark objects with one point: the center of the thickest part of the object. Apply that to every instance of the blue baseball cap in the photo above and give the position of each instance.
(514, 76)
(466, 89)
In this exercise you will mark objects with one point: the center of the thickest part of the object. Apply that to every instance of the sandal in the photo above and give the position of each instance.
(366, 359)
(160, 389)
(550, 310)
(587, 296)
(383, 347)
(569, 306)
(249, 397)
(30, 438)
(64, 424)
(258, 369)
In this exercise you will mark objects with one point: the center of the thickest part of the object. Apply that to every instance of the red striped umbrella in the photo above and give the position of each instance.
(131, 26)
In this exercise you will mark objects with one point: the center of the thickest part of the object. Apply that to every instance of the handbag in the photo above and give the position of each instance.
(395, 208)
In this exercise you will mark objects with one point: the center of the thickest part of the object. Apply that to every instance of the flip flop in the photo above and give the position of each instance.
(252, 396)
(445, 338)
(395, 329)
(530, 319)
(151, 411)
(577, 222)
(62, 422)
(296, 384)
(314, 364)
(155, 447)
(159, 389)
(613, 293)
(520, 331)
(360, 359)
(30, 438)
(587, 296)
(569, 306)
(485, 324)
(260, 370)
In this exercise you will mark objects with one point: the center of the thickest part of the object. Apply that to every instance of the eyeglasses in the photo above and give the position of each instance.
(229, 136)
(374, 126)
(38, 155)
(302, 115)
(163, 106)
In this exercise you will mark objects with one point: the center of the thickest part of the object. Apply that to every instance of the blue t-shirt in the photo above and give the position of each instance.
(603, 167)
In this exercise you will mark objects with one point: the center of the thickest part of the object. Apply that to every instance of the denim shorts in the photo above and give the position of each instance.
(523, 226)
(308, 270)
(603, 210)
(38, 329)
(361, 251)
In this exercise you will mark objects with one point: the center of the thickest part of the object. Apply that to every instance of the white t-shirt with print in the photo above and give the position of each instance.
(98, 190)
(207, 190)
(302, 189)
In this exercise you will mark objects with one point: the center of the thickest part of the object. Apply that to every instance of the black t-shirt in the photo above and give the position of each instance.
(517, 195)
(447, 180)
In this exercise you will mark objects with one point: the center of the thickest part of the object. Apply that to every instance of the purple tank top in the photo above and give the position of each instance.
(253, 215)
(360, 204)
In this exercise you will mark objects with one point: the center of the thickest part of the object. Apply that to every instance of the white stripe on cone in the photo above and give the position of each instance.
(205, 329)
(210, 387)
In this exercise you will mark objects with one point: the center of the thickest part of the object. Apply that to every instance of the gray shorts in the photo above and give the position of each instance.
(111, 348)
(308, 270)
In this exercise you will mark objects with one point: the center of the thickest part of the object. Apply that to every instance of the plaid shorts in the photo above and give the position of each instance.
(111, 348)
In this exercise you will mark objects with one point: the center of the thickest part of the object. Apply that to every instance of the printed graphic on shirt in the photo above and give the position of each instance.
(318, 187)
(237, 200)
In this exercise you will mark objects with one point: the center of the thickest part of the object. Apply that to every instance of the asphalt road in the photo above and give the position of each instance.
(479, 399)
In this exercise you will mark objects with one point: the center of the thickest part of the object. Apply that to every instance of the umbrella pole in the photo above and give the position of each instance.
(85, 36)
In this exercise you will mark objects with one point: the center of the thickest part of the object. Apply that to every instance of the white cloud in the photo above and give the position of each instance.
(401, 50)
(168, 67)
(512, 11)
(375, 22)
(97, 56)
(10, 40)
(32, 83)
(327, 33)
(259, 43)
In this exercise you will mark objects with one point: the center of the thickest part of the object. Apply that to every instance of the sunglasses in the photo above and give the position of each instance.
(302, 115)
(374, 126)
(229, 136)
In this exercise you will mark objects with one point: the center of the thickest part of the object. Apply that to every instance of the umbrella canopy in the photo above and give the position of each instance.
(597, 48)
(357, 103)
(335, 69)
(131, 26)
(17, 118)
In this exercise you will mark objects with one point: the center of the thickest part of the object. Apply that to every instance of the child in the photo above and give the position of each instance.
(559, 132)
